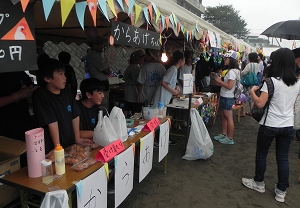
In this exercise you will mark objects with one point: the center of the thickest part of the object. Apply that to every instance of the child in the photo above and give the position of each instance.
(55, 108)
(92, 91)
(168, 86)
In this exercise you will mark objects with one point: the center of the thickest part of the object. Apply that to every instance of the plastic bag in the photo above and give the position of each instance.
(104, 132)
(55, 199)
(118, 121)
(199, 145)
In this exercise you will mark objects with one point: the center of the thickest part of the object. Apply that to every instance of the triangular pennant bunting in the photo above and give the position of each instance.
(80, 10)
(66, 6)
(47, 5)
(92, 4)
(24, 4)
(102, 5)
(111, 5)
(150, 9)
(130, 6)
(163, 22)
(167, 22)
(171, 20)
(146, 14)
(120, 2)
(138, 10)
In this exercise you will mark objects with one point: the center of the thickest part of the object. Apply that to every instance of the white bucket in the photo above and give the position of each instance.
(150, 112)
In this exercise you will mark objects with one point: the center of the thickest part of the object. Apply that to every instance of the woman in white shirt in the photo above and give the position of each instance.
(278, 123)
(227, 97)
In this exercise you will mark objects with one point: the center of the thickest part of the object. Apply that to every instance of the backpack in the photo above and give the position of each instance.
(238, 86)
(257, 113)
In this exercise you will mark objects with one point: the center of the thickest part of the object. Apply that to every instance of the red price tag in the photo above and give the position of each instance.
(110, 151)
(152, 124)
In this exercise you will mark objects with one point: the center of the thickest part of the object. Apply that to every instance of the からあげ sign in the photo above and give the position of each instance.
(132, 36)
(17, 42)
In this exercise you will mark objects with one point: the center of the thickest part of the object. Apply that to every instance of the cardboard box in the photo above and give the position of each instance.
(10, 151)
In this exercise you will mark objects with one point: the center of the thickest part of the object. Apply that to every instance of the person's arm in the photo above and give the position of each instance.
(194, 88)
(167, 87)
(24, 92)
(78, 138)
(246, 70)
(54, 133)
(261, 100)
(86, 134)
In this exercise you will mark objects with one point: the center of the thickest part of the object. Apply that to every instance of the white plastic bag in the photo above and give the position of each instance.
(297, 113)
(118, 121)
(56, 199)
(104, 132)
(199, 145)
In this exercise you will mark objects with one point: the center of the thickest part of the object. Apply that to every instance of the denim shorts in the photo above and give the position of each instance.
(226, 103)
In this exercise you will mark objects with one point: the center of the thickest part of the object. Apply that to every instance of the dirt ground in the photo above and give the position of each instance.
(215, 182)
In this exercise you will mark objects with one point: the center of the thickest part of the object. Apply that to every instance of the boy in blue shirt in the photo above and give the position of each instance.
(55, 108)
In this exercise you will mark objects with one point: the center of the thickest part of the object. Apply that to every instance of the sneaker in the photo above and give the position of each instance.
(218, 137)
(226, 140)
(251, 184)
(171, 142)
(279, 194)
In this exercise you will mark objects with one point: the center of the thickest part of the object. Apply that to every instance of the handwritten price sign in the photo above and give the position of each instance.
(110, 151)
(152, 124)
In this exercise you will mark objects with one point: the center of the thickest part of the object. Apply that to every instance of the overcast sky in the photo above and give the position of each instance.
(261, 14)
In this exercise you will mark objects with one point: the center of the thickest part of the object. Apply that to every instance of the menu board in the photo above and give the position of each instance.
(128, 35)
(17, 41)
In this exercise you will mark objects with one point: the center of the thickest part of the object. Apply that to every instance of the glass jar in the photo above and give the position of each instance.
(47, 172)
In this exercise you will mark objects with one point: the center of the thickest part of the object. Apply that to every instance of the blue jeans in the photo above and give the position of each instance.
(226, 103)
(283, 137)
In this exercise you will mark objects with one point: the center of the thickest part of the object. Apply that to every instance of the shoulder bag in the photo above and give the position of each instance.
(250, 79)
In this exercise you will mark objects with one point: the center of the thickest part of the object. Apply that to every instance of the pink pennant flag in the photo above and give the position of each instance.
(150, 11)
(167, 22)
(92, 4)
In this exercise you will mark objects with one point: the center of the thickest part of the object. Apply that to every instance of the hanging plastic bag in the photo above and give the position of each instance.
(54, 199)
(199, 145)
(104, 132)
(118, 121)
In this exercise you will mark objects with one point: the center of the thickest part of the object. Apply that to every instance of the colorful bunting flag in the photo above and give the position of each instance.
(47, 5)
(163, 22)
(102, 5)
(92, 4)
(138, 10)
(146, 14)
(111, 6)
(80, 10)
(150, 11)
(167, 22)
(171, 20)
(66, 6)
(127, 3)
(120, 2)
(178, 27)
(131, 3)
(24, 4)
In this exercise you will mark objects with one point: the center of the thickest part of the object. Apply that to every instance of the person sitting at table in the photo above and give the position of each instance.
(92, 91)
(55, 108)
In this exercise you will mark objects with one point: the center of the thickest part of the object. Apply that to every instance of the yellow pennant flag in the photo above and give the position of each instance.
(112, 6)
(138, 10)
(157, 16)
(66, 6)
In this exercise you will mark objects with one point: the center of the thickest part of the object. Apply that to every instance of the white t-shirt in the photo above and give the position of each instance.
(232, 74)
(162, 94)
(281, 107)
(150, 76)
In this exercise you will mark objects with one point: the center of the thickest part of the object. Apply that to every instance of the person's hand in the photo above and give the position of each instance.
(24, 92)
(82, 141)
(177, 90)
(254, 88)
(218, 79)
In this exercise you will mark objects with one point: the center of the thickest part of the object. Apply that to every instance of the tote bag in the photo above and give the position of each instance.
(250, 79)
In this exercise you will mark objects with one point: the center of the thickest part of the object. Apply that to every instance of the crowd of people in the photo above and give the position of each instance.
(148, 82)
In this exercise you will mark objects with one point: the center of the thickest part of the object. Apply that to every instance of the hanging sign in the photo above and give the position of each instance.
(132, 36)
(17, 42)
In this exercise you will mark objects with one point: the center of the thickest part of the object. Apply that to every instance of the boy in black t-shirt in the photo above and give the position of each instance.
(92, 91)
(55, 108)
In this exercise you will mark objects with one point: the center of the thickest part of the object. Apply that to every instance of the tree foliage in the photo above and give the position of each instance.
(227, 19)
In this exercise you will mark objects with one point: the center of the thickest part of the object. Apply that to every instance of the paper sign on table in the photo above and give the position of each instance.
(146, 155)
(164, 134)
(188, 84)
(92, 191)
(152, 124)
(110, 151)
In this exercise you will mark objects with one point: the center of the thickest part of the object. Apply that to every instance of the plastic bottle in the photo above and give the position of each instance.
(47, 172)
(59, 156)
(160, 110)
